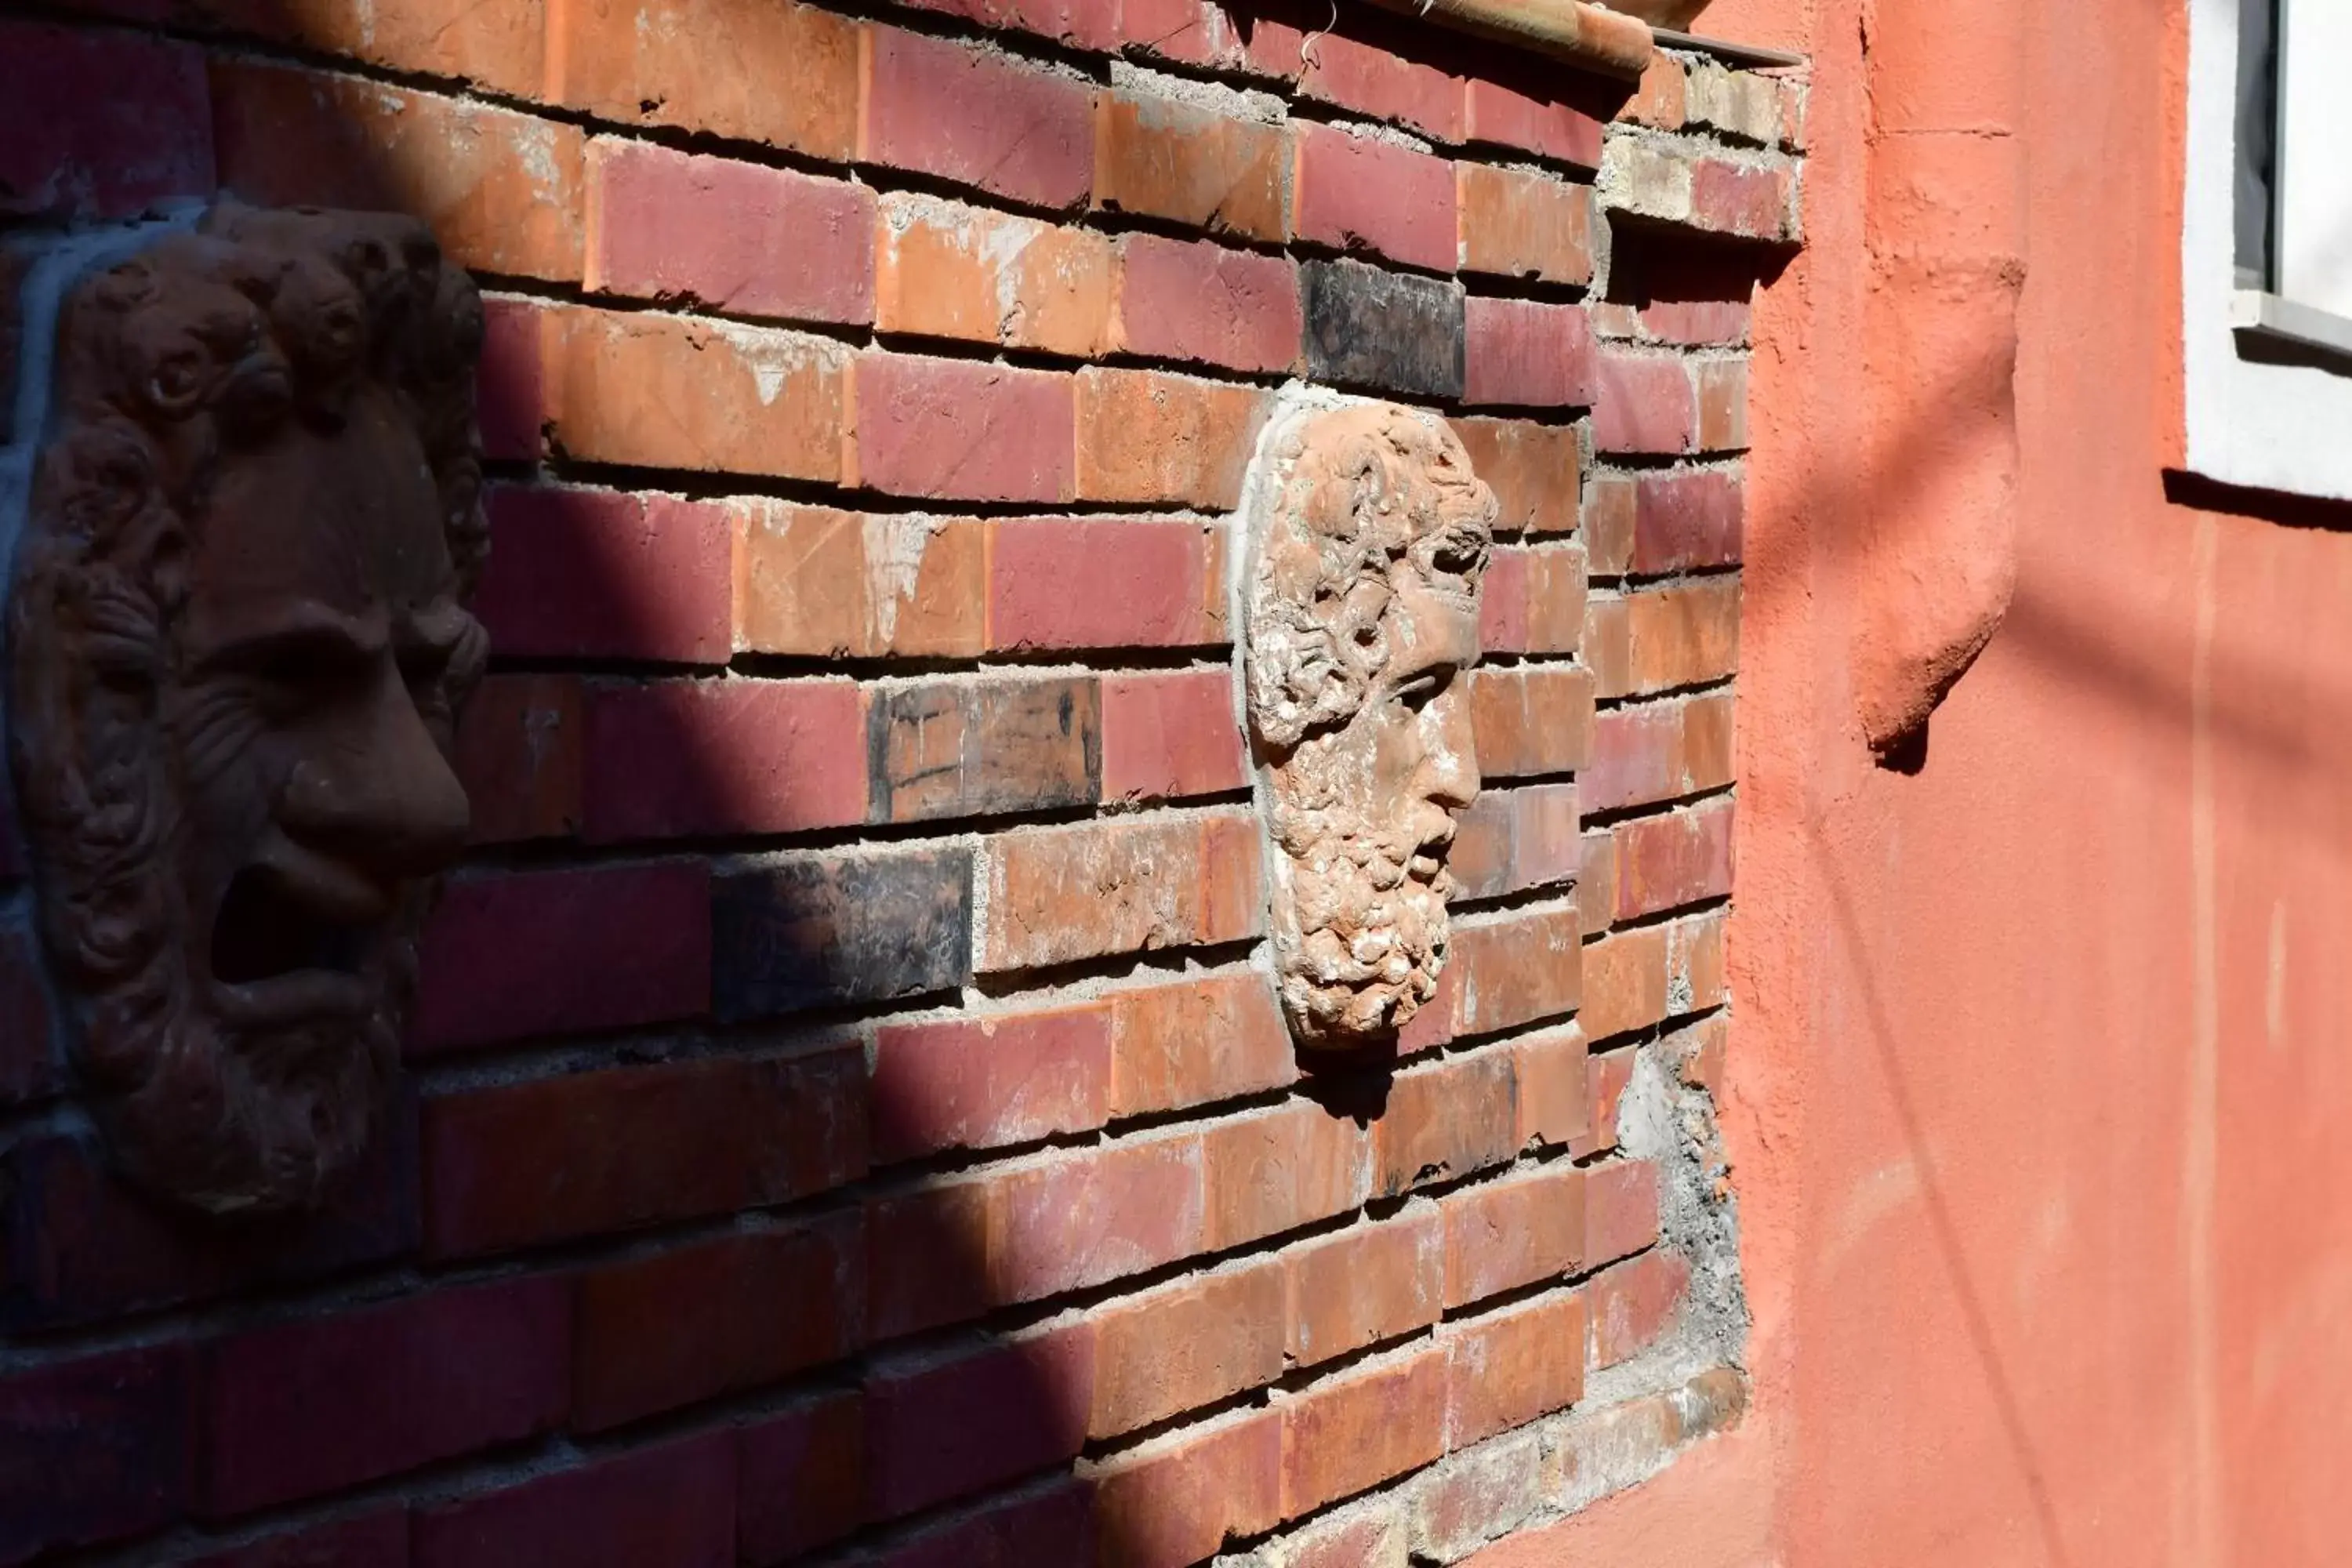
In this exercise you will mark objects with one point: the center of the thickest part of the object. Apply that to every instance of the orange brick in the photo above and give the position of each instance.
(1554, 1080)
(1503, 1234)
(1556, 594)
(943, 269)
(1080, 1217)
(1621, 1210)
(1444, 1122)
(1146, 437)
(1722, 405)
(501, 190)
(1631, 1304)
(497, 43)
(1518, 225)
(1366, 1284)
(1659, 100)
(1356, 1430)
(1625, 982)
(669, 392)
(1596, 883)
(1607, 646)
(1709, 755)
(1611, 510)
(1532, 718)
(1272, 1171)
(1056, 895)
(1532, 469)
(1181, 1346)
(1694, 971)
(754, 70)
(1518, 968)
(1611, 1072)
(811, 580)
(1175, 1502)
(1684, 634)
(1192, 165)
(1207, 1038)
(1505, 1368)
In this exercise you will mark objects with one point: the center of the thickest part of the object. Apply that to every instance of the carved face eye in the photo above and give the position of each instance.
(178, 381)
(1420, 690)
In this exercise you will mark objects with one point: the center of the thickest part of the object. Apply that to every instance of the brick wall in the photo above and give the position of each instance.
(843, 1120)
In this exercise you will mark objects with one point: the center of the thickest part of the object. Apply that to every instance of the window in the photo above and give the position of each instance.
(2267, 247)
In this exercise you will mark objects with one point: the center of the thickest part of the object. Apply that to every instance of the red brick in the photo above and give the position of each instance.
(1732, 199)
(938, 108)
(1532, 601)
(95, 1448)
(674, 1505)
(710, 1317)
(518, 758)
(1207, 1038)
(1644, 403)
(1596, 883)
(581, 574)
(374, 1541)
(1497, 114)
(1532, 719)
(1637, 756)
(1554, 1078)
(1444, 1120)
(1504, 1369)
(1686, 519)
(1611, 1072)
(1167, 734)
(583, 1154)
(1195, 32)
(1621, 1210)
(987, 1081)
(750, 70)
(1199, 300)
(1633, 1304)
(1371, 1536)
(1505, 1234)
(1695, 322)
(1363, 76)
(1366, 1284)
(1081, 24)
(1354, 194)
(1176, 1501)
(1080, 1218)
(514, 954)
(501, 191)
(1502, 603)
(1683, 635)
(1532, 469)
(737, 238)
(1524, 352)
(1185, 1346)
(304, 1407)
(963, 429)
(811, 580)
(30, 1066)
(1272, 1171)
(945, 269)
(927, 1258)
(99, 125)
(509, 389)
(1164, 158)
(1517, 968)
(1660, 98)
(944, 1425)
(1056, 895)
(1143, 437)
(800, 1478)
(679, 758)
(1027, 1530)
(672, 392)
(1087, 583)
(1356, 1430)
(1519, 224)
(1695, 961)
(1674, 858)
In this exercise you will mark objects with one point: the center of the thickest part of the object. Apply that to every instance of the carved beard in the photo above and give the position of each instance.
(1359, 940)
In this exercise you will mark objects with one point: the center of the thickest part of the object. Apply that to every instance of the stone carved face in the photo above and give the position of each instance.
(238, 640)
(1369, 539)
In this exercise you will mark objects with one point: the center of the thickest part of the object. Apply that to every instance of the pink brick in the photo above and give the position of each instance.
(1371, 80)
(1169, 735)
(1200, 301)
(580, 574)
(940, 1427)
(1674, 859)
(507, 956)
(1620, 1207)
(673, 758)
(674, 1505)
(964, 430)
(1526, 354)
(1645, 403)
(1695, 321)
(1637, 755)
(1355, 193)
(1496, 113)
(739, 237)
(1056, 583)
(1726, 197)
(1686, 519)
(1630, 1304)
(982, 1083)
(1502, 603)
(979, 119)
(99, 124)
(309, 1407)
(1078, 1219)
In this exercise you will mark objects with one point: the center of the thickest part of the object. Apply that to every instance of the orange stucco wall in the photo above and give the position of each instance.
(2041, 1052)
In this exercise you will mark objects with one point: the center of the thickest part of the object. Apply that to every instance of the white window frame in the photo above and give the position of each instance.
(2267, 379)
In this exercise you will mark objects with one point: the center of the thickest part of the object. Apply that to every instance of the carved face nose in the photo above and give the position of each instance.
(376, 790)
(1449, 764)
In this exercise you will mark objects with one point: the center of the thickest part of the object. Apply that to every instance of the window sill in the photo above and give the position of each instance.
(2276, 330)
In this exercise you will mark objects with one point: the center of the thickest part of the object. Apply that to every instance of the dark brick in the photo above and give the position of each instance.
(674, 1505)
(94, 1449)
(374, 1541)
(973, 748)
(30, 1065)
(799, 1478)
(99, 124)
(301, 1408)
(80, 1245)
(1052, 1529)
(1370, 328)
(942, 1426)
(816, 930)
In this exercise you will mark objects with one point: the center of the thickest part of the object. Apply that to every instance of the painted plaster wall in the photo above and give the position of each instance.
(2042, 1048)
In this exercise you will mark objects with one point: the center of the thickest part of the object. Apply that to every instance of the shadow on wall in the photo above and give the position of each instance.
(652, 1285)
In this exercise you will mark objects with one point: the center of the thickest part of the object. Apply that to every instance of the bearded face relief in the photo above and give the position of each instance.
(238, 640)
(1368, 537)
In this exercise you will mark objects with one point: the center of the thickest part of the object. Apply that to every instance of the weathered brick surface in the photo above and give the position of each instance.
(818, 580)
(1362, 1286)
(99, 125)
(981, 1083)
(1505, 1368)
(1201, 301)
(948, 271)
(1184, 1345)
(800, 1476)
(809, 930)
(979, 747)
(1058, 894)
(1358, 1429)
(1166, 159)
(1519, 224)
(1384, 331)
(673, 1503)
(786, 75)
(981, 120)
(962, 430)
(95, 1448)
(1175, 1502)
(1145, 436)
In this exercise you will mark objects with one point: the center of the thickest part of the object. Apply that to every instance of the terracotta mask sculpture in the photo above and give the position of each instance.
(238, 639)
(1369, 536)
